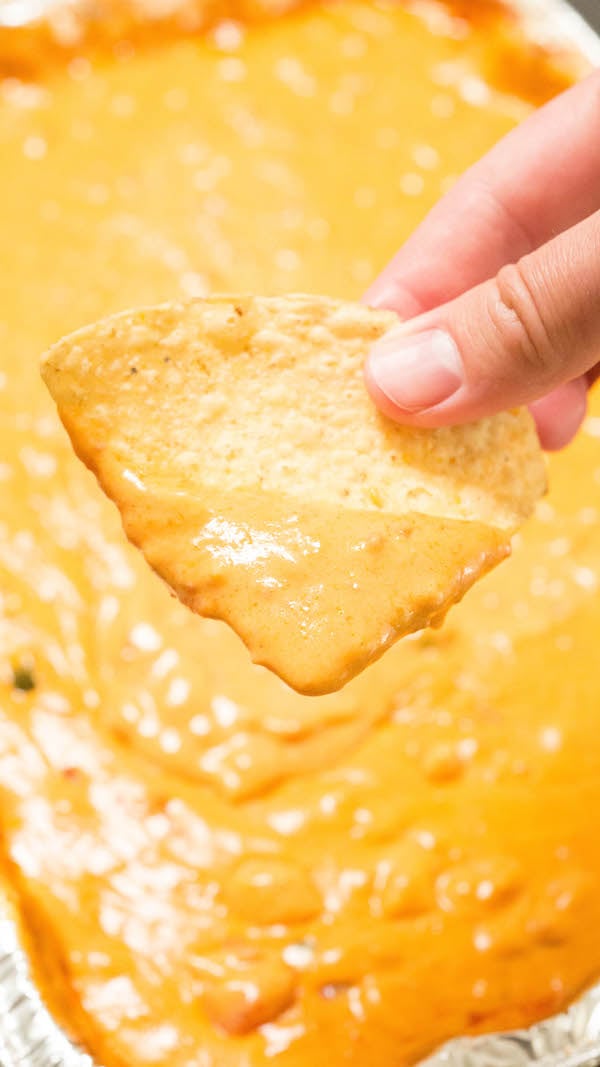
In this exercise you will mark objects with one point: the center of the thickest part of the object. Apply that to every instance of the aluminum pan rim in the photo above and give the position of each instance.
(30, 1037)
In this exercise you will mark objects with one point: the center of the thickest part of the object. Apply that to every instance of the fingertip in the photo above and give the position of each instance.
(559, 415)
(383, 402)
(410, 374)
(387, 293)
(379, 295)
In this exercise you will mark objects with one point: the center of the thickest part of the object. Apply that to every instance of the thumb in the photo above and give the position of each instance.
(510, 341)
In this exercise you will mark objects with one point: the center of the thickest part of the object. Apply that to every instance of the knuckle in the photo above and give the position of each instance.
(520, 318)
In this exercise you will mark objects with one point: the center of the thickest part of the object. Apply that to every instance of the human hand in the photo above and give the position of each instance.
(501, 284)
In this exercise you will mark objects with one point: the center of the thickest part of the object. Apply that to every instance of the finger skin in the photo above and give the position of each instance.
(532, 328)
(541, 179)
(559, 415)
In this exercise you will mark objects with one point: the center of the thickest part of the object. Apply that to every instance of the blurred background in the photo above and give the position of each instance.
(590, 9)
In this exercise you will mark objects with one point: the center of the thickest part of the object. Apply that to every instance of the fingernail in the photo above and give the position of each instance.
(388, 294)
(381, 294)
(416, 371)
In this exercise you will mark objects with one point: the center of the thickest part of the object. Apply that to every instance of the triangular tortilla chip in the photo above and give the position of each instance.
(236, 437)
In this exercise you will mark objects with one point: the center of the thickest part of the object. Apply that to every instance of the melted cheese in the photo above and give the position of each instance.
(210, 869)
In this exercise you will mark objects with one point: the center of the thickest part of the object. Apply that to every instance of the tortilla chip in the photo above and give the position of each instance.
(236, 437)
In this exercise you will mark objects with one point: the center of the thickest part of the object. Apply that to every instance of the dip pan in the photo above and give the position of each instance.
(29, 1036)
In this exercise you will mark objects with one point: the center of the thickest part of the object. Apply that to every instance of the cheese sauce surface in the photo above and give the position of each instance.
(210, 870)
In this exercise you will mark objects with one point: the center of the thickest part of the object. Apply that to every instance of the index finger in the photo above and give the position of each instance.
(541, 179)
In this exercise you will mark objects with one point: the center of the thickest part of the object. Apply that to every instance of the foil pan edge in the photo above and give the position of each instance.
(30, 1037)
(558, 24)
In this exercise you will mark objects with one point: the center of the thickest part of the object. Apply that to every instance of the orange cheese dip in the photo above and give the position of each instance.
(210, 870)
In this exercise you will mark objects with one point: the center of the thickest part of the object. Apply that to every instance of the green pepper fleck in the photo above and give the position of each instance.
(23, 679)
